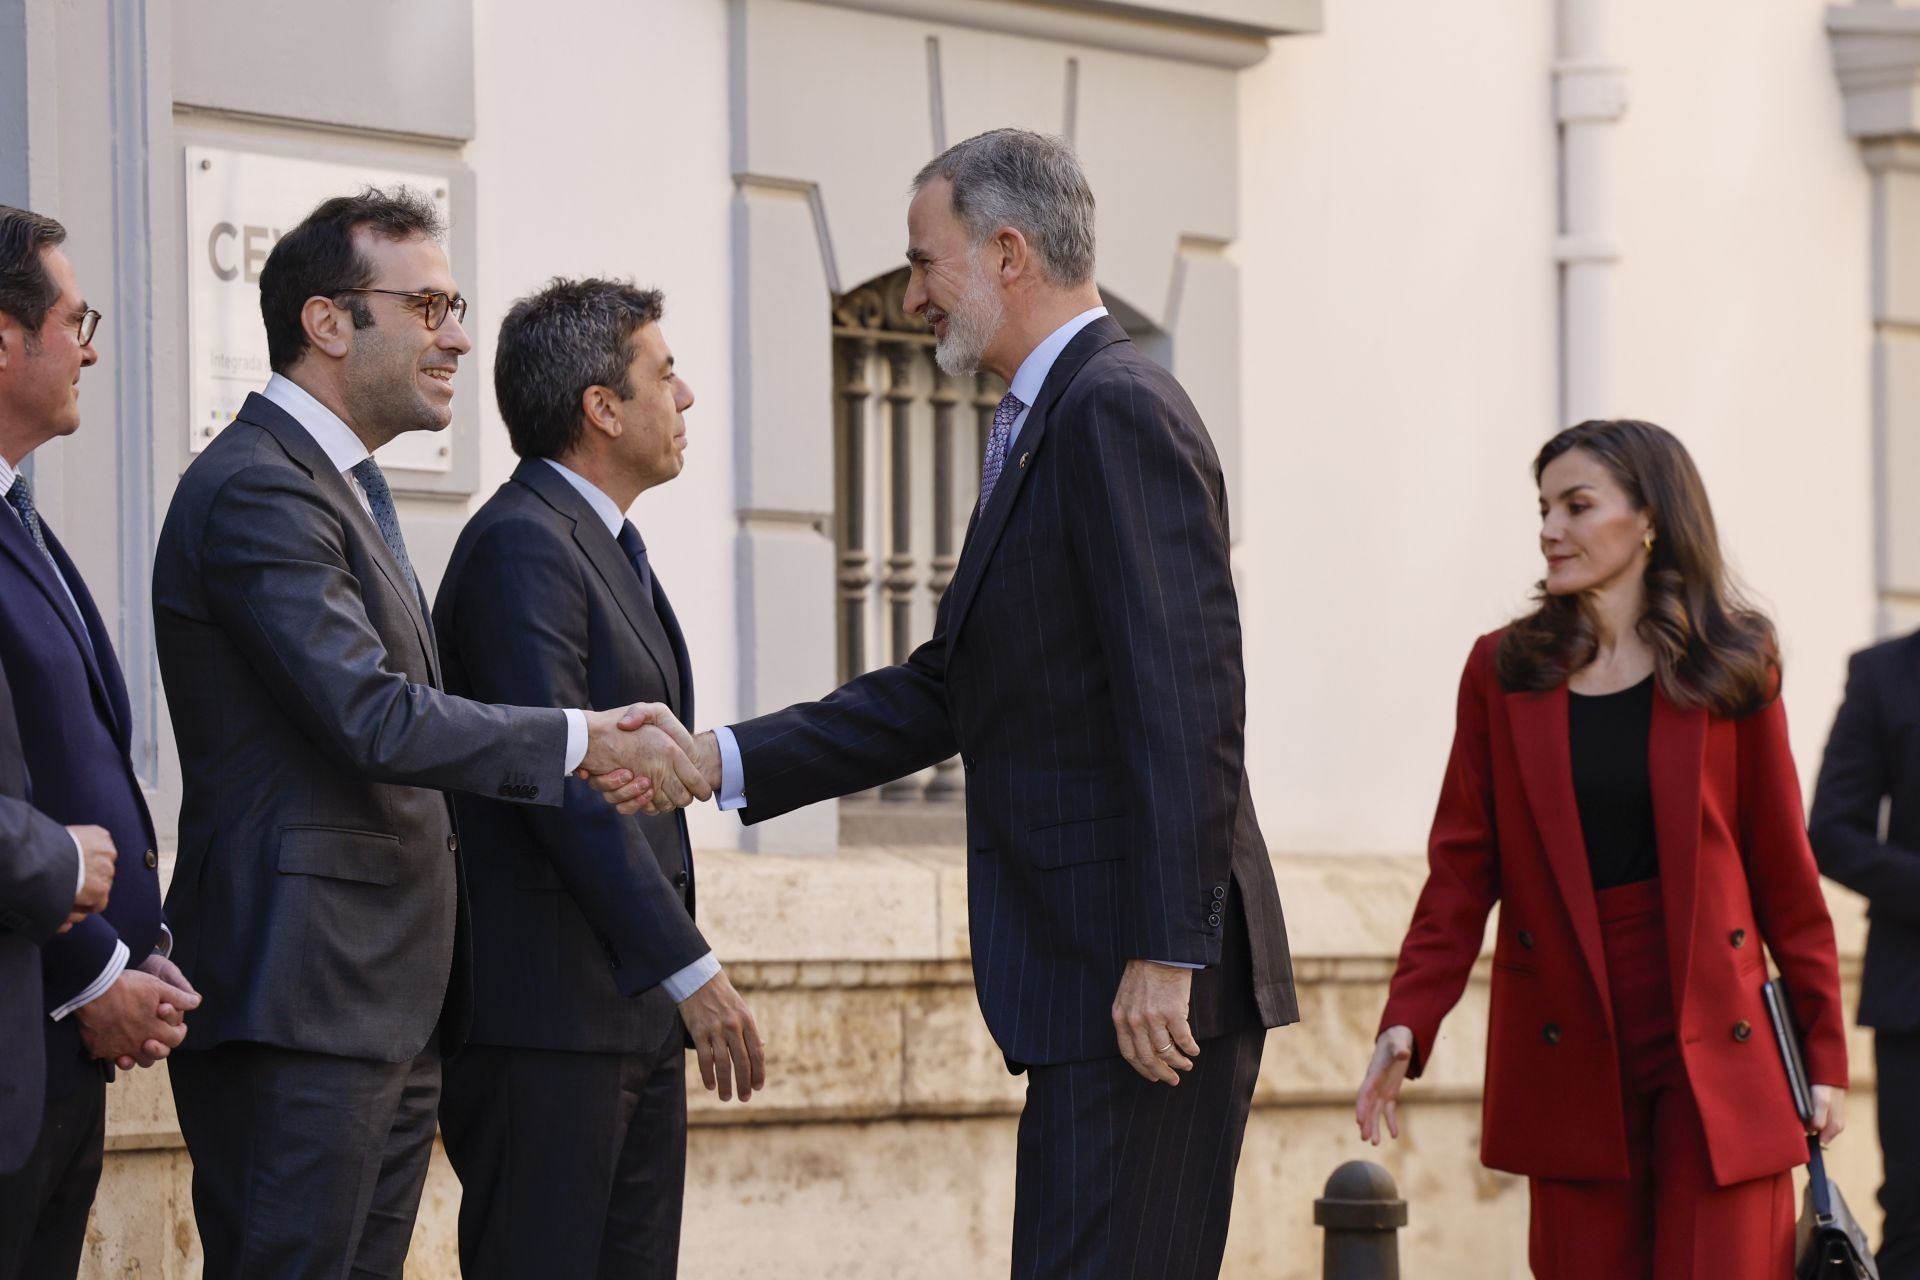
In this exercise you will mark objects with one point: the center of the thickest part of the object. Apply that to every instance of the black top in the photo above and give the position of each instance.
(1609, 734)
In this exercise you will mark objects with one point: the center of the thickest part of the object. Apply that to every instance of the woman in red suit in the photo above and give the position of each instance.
(1621, 784)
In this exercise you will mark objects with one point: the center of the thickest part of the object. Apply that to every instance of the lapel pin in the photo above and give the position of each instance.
(1023, 460)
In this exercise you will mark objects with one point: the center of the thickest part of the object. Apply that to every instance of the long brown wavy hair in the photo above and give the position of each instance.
(1711, 648)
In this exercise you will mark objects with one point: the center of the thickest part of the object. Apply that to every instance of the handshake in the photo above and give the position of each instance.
(643, 760)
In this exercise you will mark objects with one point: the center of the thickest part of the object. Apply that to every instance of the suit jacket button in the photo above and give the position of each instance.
(453, 844)
(1742, 1029)
(1550, 1033)
(1526, 940)
(1739, 938)
(680, 879)
(153, 860)
(966, 762)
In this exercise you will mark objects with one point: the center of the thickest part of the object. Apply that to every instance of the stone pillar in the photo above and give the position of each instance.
(1876, 56)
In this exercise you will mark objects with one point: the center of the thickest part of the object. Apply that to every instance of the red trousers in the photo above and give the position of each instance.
(1668, 1220)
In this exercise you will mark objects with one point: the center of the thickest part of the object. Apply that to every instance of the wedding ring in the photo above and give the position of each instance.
(1163, 1048)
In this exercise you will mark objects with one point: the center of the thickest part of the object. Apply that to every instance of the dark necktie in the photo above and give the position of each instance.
(21, 499)
(373, 483)
(637, 556)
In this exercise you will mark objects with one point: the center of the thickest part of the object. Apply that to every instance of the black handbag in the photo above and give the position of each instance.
(1827, 1243)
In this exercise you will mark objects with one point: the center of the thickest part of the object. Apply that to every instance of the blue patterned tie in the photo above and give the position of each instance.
(373, 483)
(997, 441)
(637, 556)
(21, 498)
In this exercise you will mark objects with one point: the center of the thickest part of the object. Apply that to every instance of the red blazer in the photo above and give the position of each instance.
(1735, 870)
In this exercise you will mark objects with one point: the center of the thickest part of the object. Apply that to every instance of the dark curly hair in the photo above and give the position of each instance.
(1711, 648)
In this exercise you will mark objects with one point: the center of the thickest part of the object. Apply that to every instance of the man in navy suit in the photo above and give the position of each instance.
(110, 993)
(50, 877)
(566, 1113)
(1085, 664)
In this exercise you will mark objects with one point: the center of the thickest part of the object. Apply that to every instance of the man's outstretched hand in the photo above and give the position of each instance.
(691, 773)
(640, 757)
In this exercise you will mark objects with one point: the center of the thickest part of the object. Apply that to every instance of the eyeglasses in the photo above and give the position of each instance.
(89, 321)
(433, 304)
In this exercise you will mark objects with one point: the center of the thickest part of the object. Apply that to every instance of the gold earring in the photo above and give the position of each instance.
(1648, 540)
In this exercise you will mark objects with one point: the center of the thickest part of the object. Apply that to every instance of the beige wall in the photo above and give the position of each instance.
(1397, 224)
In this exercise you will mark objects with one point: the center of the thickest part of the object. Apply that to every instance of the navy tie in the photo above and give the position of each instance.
(373, 483)
(21, 498)
(637, 556)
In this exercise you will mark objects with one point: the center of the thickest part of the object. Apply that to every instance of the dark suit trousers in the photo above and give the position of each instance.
(304, 1164)
(44, 1204)
(1120, 1178)
(1896, 1060)
(572, 1165)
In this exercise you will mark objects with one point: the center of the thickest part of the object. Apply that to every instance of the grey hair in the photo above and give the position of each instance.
(556, 343)
(1029, 181)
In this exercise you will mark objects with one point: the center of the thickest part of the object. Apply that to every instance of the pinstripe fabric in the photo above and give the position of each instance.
(1123, 1179)
(1086, 664)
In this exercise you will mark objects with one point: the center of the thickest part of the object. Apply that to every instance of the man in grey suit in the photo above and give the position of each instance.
(318, 901)
(50, 876)
(566, 1114)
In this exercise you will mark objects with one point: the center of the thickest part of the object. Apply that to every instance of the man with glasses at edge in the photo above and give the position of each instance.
(110, 994)
(318, 898)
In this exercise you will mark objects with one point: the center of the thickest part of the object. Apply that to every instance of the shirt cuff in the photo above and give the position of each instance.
(576, 740)
(1176, 964)
(98, 987)
(690, 979)
(733, 782)
(80, 855)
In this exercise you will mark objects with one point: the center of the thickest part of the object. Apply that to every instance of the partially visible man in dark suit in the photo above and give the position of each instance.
(1086, 665)
(566, 1114)
(110, 994)
(318, 895)
(1873, 761)
(50, 877)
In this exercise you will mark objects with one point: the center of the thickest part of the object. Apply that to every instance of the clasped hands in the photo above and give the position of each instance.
(643, 760)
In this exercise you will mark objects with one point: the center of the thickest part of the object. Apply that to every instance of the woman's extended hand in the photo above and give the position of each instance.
(1829, 1112)
(1380, 1089)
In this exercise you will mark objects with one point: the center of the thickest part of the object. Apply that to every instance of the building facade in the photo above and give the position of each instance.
(1388, 248)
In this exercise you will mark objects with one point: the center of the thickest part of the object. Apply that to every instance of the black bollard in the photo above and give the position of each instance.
(1362, 1212)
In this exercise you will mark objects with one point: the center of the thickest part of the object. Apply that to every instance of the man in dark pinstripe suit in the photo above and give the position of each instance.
(1085, 664)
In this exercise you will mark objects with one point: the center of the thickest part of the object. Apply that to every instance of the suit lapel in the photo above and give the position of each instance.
(1543, 746)
(306, 451)
(1676, 753)
(18, 543)
(99, 652)
(990, 521)
(610, 562)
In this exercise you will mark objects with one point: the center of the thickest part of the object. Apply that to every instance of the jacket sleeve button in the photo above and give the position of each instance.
(1526, 940)
(1738, 938)
(1742, 1030)
(1550, 1033)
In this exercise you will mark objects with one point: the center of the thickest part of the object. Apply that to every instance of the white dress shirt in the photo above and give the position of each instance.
(345, 451)
(680, 985)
